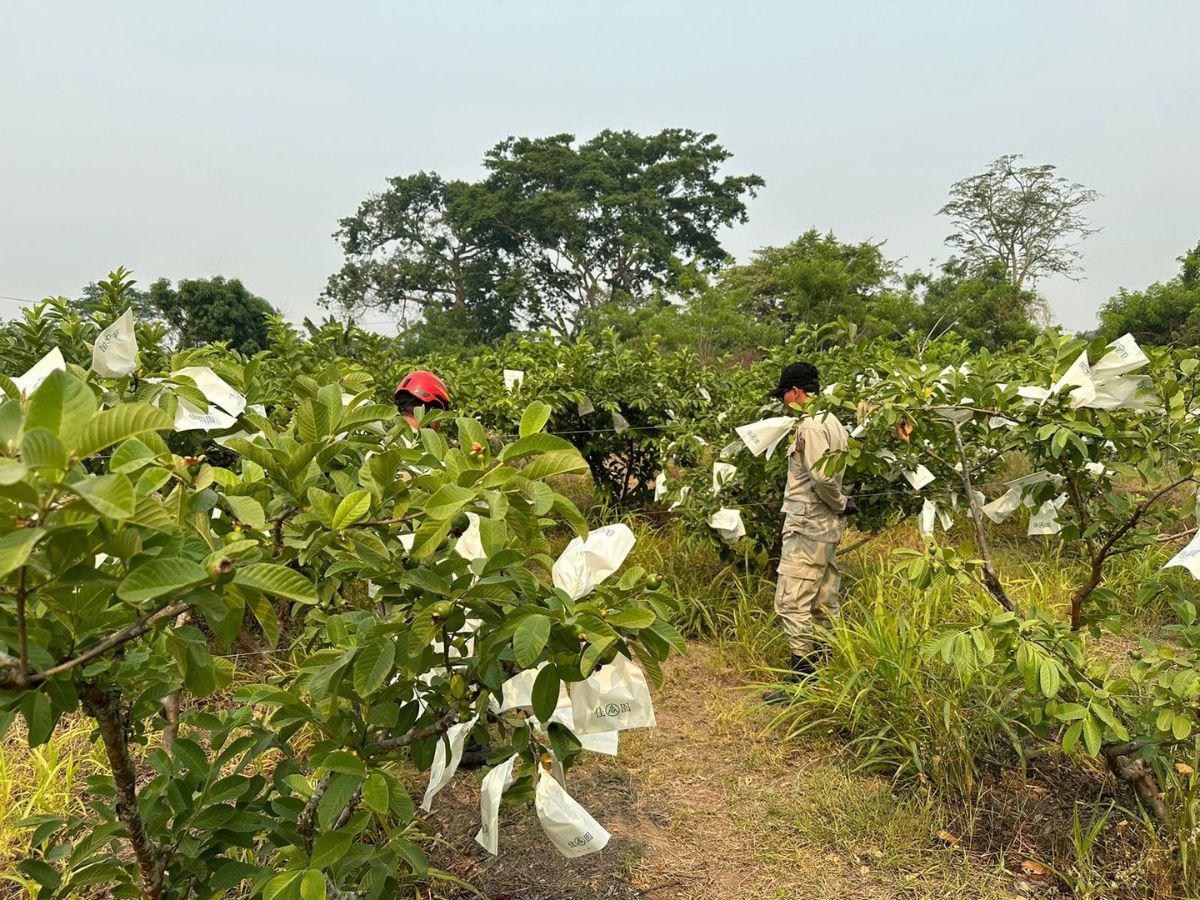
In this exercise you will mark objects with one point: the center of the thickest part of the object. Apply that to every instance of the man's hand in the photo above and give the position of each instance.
(850, 508)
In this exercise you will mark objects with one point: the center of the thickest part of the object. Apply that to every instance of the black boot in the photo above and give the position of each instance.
(802, 669)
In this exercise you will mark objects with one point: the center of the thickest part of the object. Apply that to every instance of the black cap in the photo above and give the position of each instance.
(801, 375)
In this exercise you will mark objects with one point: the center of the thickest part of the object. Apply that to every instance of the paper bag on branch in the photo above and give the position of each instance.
(728, 524)
(188, 418)
(612, 698)
(495, 783)
(40, 371)
(215, 389)
(721, 475)
(660, 485)
(569, 826)
(1188, 558)
(764, 435)
(919, 477)
(444, 767)
(1004, 505)
(513, 379)
(587, 562)
(114, 354)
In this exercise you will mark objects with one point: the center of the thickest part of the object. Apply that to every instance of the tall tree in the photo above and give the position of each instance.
(613, 218)
(553, 229)
(204, 310)
(1026, 217)
(979, 304)
(817, 278)
(420, 246)
(1163, 313)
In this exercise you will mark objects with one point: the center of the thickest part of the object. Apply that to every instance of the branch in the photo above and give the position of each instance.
(395, 743)
(990, 579)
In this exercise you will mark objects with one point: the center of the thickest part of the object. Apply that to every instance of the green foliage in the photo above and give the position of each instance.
(212, 310)
(1163, 313)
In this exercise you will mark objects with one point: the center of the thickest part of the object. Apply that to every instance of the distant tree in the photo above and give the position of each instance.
(817, 278)
(421, 247)
(979, 304)
(554, 230)
(204, 310)
(1025, 217)
(1163, 313)
(616, 217)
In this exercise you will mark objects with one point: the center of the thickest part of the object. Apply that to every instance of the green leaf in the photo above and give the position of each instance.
(634, 618)
(373, 665)
(247, 510)
(16, 546)
(353, 508)
(330, 847)
(1048, 679)
(534, 418)
(130, 456)
(375, 793)
(559, 462)
(41, 449)
(120, 423)
(63, 405)
(545, 692)
(12, 471)
(279, 581)
(1071, 736)
(1091, 735)
(536, 443)
(110, 495)
(160, 576)
(1181, 727)
(530, 639)
(447, 501)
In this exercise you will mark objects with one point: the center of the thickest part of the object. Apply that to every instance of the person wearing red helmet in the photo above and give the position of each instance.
(420, 388)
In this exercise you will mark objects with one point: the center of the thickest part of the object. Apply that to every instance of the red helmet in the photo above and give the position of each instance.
(425, 387)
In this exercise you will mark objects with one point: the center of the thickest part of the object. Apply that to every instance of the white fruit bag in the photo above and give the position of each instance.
(586, 563)
(619, 423)
(517, 692)
(1045, 520)
(764, 435)
(728, 524)
(495, 783)
(40, 371)
(722, 473)
(1123, 356)
(443, 769)
(188, 418)
(215, 389)
(584, 407)
(599, 742)
(470, 544)
(1188, 558)
(926, 520)
(569, 826)
(513, 378)
(612, 698)
(660, 486)
(1004, 505)
(1079, 375)
(919, 477)
(115, 352)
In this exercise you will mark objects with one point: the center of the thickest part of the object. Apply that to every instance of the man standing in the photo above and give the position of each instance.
(814, 509)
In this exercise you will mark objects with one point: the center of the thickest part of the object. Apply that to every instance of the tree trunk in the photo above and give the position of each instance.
(105, 708)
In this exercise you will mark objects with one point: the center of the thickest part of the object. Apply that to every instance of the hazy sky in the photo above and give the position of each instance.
(200, 138)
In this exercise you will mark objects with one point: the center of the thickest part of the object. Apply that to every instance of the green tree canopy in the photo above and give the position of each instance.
(207, 310)
(554, 230)
(979, 304)
(1163, 313)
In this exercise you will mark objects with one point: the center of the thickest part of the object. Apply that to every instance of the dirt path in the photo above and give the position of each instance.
(708, 805)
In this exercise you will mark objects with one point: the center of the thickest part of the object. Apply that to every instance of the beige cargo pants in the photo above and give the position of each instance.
(807, 590)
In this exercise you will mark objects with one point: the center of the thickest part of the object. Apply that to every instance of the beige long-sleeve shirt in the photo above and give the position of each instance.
(813, 501)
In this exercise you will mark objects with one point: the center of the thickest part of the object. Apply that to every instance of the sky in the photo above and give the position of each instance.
(187, 139)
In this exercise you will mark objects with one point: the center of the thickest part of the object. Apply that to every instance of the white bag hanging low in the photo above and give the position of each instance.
(40, 371)
(728, 524)
(1188, 558)
(443, 769)
(619, 423)
(114, 354)
(1004, 505)
(495, 783)
(215, 389)
(660, 486)
(470, 544)
(586, 563)
(513, 379)
(612, 698)
(919, 477)
(684, 493)
(1045, 520)
(926, 520)
(584, 407)
(188, 418)
(722, 473)
(764, 435)
(569, 826)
